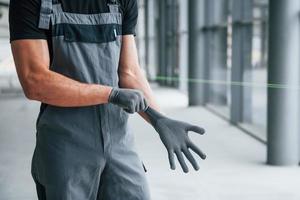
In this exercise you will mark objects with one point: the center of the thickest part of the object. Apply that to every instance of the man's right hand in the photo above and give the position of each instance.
(130, 100)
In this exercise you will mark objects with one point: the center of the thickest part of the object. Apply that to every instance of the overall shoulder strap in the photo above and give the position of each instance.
(113, 6)
(45, 14)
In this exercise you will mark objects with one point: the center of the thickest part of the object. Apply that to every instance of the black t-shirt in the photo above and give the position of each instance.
(24, 16)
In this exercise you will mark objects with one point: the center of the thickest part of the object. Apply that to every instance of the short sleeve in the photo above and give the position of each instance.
(23, 20)
(130, 17)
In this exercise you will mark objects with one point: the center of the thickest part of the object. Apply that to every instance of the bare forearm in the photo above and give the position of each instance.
(39, 83)
(55, 89)
(136, 80)
(131, 75)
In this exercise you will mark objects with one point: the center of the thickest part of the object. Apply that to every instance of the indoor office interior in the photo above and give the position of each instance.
(229, 66)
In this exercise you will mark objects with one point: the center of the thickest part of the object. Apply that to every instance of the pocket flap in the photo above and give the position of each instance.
(91, 33)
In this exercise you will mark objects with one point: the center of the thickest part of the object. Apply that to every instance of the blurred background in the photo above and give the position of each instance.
(230, 66)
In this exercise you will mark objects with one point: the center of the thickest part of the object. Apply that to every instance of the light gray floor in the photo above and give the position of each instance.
(17, 138)
(234, 169)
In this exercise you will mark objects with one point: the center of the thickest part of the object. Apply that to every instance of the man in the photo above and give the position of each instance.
(78, 57)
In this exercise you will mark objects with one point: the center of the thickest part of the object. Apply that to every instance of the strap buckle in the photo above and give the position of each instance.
(45, 14)
(113, 6)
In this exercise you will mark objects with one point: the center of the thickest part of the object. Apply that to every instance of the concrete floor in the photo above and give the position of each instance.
(234, 169)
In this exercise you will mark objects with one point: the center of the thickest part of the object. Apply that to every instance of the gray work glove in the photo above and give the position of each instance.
(130, 100)
(174, 135)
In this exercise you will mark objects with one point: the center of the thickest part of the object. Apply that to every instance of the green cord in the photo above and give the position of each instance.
(229, 83)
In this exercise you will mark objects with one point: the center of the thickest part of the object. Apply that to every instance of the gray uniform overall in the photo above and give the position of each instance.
(86, 153)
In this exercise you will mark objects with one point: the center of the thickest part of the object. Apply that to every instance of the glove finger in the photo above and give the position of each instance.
(146, 104)
(191, 158)
(196, 129)
(131, 109)
(139, 102)
(171, 160)
(137, 107)
(142, 105)
(128, 110)
(197, 150)
(182, 162)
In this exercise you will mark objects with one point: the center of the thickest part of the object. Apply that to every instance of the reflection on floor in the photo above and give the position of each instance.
(234, 169)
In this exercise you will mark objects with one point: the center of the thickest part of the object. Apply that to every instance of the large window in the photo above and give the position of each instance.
(236, 53)
(234, 60)
(255, 97)
(217, 51)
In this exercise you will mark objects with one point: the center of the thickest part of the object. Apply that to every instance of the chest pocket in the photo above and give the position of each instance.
(103, 33)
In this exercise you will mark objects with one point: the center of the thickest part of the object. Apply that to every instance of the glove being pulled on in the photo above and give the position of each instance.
(174, 135)
(130, 100)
